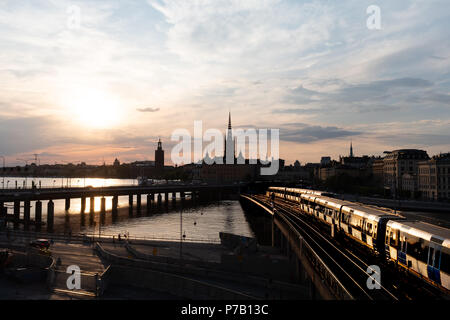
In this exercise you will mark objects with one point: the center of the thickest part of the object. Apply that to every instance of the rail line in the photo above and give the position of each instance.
(352, 272)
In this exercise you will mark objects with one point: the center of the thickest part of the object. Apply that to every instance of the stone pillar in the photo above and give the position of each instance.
(26, 213)
(92, 205)
(50, 215)
(159, 199)
(115, 204)
(91, 210)
(16, 213)
(149, 202)
(38, 215)
(102, 210)
(130, 204)
(138, 202)
(83, 205)
(67, 206)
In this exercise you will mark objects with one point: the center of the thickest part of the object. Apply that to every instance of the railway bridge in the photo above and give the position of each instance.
(334, 268)
(24, 197)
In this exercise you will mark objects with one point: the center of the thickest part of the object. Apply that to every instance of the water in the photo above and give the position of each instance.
(201, 222)
(22, 183)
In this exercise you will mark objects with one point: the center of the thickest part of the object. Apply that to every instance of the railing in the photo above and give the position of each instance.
(92, 237)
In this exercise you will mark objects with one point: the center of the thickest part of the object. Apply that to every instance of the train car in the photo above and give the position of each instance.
(421, 248)
(365, 224)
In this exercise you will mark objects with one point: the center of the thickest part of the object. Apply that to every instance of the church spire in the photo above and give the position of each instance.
(351, 149)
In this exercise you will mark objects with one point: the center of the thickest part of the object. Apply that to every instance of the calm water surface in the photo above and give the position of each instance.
(201, 222)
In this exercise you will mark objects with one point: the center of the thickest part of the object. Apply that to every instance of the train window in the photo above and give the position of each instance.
(445, 260)
(416, 248)
(369, 229)
(393, 239)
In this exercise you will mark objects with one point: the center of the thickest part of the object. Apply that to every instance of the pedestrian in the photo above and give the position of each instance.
(119, 237)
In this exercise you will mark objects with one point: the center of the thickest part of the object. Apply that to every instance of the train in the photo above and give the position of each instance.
(420, 248)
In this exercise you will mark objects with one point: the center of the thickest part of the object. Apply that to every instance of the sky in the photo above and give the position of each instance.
(97, 80)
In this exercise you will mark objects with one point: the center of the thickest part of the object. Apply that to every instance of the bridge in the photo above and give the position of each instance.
(154, 193)
(336, 268)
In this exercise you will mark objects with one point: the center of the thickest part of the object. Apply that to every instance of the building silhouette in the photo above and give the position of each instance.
(159, 157)
(229, 156)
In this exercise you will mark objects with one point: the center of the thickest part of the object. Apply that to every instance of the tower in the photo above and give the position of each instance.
(229, 153)
(351, 149)
(159, 157)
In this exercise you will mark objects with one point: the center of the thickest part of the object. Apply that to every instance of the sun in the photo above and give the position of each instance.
(94, 108)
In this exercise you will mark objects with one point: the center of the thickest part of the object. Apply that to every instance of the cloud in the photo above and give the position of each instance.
(304, 133)
(148, 109)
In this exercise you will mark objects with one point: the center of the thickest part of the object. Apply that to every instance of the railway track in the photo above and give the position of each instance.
(350, 270)
(397, 281)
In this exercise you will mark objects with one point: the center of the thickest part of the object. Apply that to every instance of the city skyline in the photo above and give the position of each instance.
(109, 84)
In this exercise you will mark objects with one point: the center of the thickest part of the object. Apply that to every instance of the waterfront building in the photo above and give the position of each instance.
(434, 177)
(399, 162)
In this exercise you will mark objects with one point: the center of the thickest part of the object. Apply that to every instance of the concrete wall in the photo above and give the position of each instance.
(271, 289)
(132, 274)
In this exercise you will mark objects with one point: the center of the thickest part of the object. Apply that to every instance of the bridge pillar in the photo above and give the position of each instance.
(115, 202)
(91, 210)
(26, 213)
(166, 198)
(38, 215)
(67, 206)
(16, 213)
(174, 199)
(50, 215)
(102, 210)
(159, 199)
(83, 205)
(138, 203)
(149, 203)
(92, 205)
(130, 204)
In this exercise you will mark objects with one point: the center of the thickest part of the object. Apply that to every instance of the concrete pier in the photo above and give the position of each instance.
(149, 203)
(115, 203)
(50, 215)
(159, 199)
(130, 204)
(102, 210)
(26, 213)
(38, 214)
(92, 205)
(16, 213)
(138, 202)
(83, 205)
